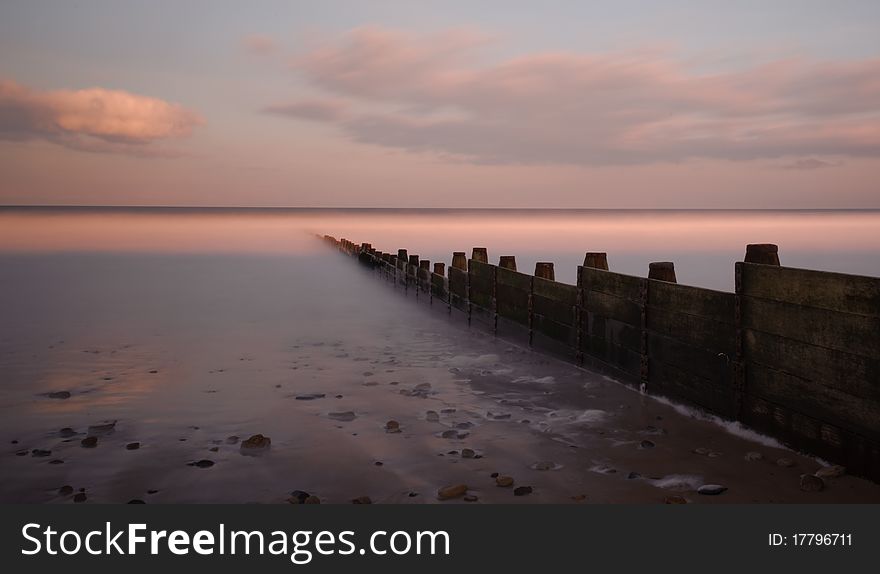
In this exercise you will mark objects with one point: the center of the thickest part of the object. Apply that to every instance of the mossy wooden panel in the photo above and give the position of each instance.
(617, 356)
(715, 395)
(481, 270)
(615, 332)
(833, 291)
(562, 332)
(514, 279)
(692, 329)
(856, 334)
(512, 303)
(617, 284)
(715, 305)
(695, 360)
(613, 307)
(814, 399)
(438, 287)
(855, 375)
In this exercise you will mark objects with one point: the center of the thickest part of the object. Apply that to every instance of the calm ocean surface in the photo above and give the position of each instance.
(703, 244)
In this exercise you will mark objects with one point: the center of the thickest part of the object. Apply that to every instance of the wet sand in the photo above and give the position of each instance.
(186, 352)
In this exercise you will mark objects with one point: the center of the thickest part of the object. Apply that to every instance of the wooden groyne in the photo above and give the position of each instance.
(792, 353)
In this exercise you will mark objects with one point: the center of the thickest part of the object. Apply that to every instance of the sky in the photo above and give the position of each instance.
(563, 104)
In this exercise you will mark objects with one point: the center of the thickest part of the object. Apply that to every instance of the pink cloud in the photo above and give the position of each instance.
(259, 44)
(575, 108)
(91, 119)
(327, 109)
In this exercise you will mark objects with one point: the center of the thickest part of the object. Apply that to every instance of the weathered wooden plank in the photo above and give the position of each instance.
(716, 396)
(853, 374)
(555, 291)
(693, 330)
(612, 307)
(438, 287)
(616, 332)
(819, 401)
(480, 269)
(833, 291)
(715, 305)
(857, 334)
(627, 360)
(561, 312)
(617, 284)
(700, 362)
(513, 279)
(458, 282)
(562, 332)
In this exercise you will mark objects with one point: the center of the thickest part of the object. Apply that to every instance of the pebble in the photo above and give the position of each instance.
(65, 490)
(136, 501)
(80, 497)
(544, 465)
(754, 456)
(56, 461)
(204, 463)
(785, 462)
(504, 481)
(67, 432)
(232, 439)
(298, 497)
(392, 426)
(413, 494)
(812, 483)
(152, 491)
(153, 371)
(39, 453)
(522, 490)
(22, 452)
(432, 416)
(646, 444)
(133, 446)
(343, 416)
(675, 500)
(633, 476)
(59, 395)
(470, 498)
(447, 411)
(468, 453)
(310, 396)
(498, 416)
(255, 444)
(362, 500)
(312, 500)
(711, 489)
(214, 449)
(830, 471)
(579, 497)
(702, 451)
(494, 475)
(454, 491)
(378, 463)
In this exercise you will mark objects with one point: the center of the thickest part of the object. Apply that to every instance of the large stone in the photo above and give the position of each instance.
(711, 489)
(454, 491)
(830, 471)
(255, 445)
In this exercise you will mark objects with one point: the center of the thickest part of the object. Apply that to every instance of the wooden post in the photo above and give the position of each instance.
(596, 260)
(544, 269)
(414, 260)
(440, 268)
(662, 271)
(459, 261)
(424, 264)
(763, 253)
(480, 254)
(401, 254)
(507, 262)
